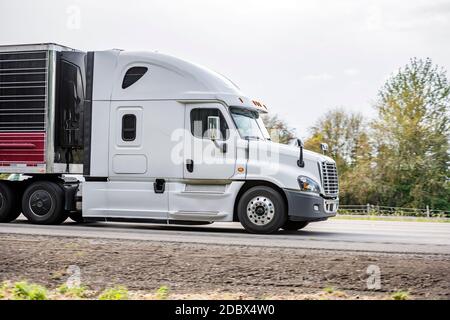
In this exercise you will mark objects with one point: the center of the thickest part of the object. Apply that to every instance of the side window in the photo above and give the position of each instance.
(132, 75)
(199, 122)
(128, 127)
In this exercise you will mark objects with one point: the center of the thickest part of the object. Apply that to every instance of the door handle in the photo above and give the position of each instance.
(190, 165)
(159, 185)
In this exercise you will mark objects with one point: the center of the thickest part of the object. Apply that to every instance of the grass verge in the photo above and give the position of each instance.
(400, 295)
(116, 293)
(24, 290)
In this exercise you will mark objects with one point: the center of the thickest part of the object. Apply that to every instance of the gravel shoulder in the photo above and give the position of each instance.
(208, 271)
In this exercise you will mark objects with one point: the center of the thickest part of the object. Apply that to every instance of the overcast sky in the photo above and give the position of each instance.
(301, 58)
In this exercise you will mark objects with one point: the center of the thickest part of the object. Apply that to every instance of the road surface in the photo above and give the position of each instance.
(351, 235)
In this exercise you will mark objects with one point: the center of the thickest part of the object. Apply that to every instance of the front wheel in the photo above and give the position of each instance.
(294, 225)
(262, 210)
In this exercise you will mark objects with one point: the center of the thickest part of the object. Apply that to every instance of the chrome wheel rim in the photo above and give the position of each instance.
(260, 210)
(40, 203)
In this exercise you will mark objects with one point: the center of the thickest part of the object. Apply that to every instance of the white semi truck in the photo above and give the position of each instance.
(155, 138)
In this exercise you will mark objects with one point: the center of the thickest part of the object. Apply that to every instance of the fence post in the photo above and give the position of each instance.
(428, 211)
(368, 208)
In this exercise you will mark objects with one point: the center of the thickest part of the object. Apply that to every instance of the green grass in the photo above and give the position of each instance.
(72, 292)
(392, 218)
(162, 293)
(28, 291)
(329, 290)
(116, 293)
(24, 290)
(400, 295)
(4, 289)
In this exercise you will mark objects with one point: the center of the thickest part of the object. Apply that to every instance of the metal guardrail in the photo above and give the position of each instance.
(376, 210)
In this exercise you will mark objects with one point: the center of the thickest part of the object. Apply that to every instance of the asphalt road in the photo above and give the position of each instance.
(353, 235)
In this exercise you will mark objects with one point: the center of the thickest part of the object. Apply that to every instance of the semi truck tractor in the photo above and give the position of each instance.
(151, 138)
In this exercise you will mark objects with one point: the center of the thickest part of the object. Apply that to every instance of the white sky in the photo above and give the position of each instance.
(300, 57)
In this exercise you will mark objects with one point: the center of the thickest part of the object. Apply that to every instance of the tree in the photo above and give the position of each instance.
(411, 137)
(278, 129)
(345, 133)
(403, 157)
(347, 137)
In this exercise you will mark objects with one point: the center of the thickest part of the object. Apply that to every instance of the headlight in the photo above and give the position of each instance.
(308, 185)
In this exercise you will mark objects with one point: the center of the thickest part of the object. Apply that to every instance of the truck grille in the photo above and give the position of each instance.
(330, 179)
(23, 91)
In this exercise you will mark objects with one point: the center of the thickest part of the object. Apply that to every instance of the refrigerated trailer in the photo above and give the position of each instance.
(152, 138)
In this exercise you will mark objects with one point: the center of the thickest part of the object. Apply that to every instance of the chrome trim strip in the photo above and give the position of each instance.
(50, 116)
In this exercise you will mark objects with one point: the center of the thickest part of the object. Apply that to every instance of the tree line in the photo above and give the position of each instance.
(401, 157)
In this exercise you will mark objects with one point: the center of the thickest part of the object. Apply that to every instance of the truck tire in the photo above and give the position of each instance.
(43, 203)
(262, 210)
(294, 225)
(9, 205)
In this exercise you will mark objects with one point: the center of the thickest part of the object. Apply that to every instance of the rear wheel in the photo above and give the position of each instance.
(262, 210)
(43, 203)
(9, 205)
(294, 225)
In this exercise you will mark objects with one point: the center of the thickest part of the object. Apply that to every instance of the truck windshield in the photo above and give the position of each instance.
(249, 124)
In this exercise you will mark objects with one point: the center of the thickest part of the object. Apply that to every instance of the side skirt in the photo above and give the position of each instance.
(144, 220)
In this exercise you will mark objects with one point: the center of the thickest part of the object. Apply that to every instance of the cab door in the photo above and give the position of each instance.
(207, 157)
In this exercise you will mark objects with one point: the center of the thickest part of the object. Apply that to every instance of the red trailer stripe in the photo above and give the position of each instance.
(22, 148)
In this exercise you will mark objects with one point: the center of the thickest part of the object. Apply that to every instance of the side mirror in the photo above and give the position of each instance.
(299, 143)
(213, 127)
(324, 147)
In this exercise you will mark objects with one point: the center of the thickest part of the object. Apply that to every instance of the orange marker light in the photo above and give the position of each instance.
(240, 169)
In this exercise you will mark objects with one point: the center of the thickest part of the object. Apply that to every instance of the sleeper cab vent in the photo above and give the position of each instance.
(133, 74)
(23, 91)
